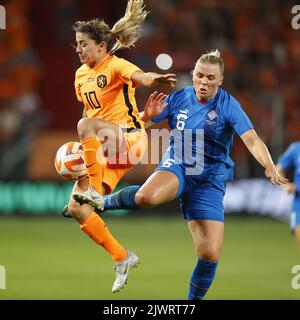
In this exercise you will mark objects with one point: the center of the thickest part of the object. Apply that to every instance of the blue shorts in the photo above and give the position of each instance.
(295, 215)
(200, 199)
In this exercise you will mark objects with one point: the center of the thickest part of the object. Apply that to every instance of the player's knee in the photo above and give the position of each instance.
(84, 128)
(209, 252)
(81, 127)
(145, 199)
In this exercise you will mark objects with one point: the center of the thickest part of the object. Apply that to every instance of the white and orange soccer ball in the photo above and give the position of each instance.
(69, 162)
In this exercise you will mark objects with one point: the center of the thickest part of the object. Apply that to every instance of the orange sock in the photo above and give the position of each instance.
(94, 169)
(96, 229)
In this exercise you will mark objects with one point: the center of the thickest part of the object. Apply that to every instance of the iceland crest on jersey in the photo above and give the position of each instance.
(212, 114)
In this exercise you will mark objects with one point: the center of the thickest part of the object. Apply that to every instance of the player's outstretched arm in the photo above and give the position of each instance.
(150, 79)
(261, 153)
(154, 106)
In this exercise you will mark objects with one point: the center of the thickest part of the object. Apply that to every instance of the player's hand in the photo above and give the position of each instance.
(289, 187)
(169, 78)
(151, 79)
(272, 174)
(154, 106)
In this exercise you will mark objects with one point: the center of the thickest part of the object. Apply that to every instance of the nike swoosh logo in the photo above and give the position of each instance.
(80, 85)
(90, 165)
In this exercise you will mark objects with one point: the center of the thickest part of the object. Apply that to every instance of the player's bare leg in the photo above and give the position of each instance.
(78, 212)
(160, 187)
(208, 238)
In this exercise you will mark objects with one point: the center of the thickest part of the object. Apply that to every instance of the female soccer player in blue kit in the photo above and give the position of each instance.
(291, 159)
(216, 115)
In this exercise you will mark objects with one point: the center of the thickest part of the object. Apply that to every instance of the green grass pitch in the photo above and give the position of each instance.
(50, 258)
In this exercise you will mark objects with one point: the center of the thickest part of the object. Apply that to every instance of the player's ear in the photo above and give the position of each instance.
(103, 45)
(221, 80)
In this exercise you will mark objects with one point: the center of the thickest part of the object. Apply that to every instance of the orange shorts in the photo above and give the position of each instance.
(131, 153)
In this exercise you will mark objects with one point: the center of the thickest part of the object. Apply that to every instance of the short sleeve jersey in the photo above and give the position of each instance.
(219, 118)
(107, 91)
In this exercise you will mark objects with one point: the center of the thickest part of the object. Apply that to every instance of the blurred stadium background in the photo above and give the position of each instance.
(46, 256)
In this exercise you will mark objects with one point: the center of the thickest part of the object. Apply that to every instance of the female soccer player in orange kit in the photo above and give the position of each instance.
(105, 84)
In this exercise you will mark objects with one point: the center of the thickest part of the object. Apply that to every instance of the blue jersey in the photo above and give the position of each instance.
(291, 159)
(217, 119)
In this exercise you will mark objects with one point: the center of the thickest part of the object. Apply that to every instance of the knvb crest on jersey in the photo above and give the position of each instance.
(101, 81)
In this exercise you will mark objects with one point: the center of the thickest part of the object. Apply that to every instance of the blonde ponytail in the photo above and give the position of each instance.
(128, 29)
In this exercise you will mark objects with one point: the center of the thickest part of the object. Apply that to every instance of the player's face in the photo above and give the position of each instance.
(207, 78)
(88, 50)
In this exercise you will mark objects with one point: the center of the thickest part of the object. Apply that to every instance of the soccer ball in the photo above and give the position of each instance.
(69, 161)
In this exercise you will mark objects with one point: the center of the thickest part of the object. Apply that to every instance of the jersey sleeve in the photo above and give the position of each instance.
(125, 69)
(165, 113)
(238, 118)
(286, 159)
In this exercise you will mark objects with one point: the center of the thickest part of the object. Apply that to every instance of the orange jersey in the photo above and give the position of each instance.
(107, 91)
